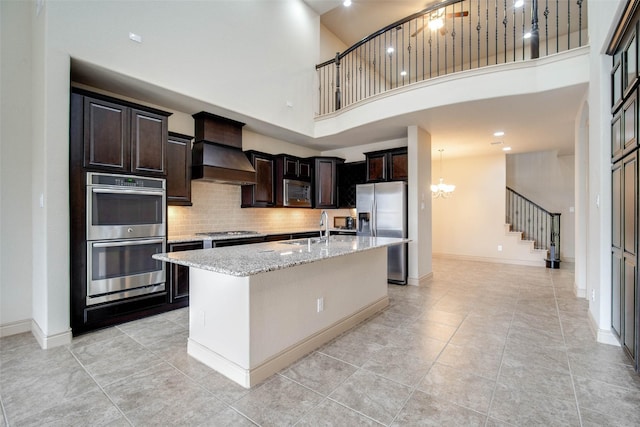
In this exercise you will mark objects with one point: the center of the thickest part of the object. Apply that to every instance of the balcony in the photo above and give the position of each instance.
(446, 38)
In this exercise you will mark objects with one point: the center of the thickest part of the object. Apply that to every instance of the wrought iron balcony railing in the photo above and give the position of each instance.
(448, 37)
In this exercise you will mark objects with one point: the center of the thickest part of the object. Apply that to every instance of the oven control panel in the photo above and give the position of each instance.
(124, 181)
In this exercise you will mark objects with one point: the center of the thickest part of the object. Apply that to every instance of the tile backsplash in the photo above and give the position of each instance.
(216, 207)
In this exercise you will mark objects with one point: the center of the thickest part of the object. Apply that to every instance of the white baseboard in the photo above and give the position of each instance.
(50, 341)
(490, 259)
(580, 292)
(603, 336)
(420, 281)
(15, 328)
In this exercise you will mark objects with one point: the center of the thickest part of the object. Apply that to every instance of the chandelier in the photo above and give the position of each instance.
(441, 189)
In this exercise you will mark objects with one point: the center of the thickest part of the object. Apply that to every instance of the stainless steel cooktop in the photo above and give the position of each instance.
(226, 233)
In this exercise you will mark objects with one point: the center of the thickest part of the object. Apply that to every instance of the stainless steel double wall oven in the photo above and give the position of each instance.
(126, 225)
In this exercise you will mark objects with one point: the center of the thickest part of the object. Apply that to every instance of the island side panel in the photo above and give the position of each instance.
(284, 303)
(219, 321)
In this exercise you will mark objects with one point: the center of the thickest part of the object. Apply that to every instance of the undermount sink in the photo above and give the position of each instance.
(305, 242)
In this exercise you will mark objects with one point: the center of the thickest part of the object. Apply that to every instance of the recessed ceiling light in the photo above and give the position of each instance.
(498, 133)
(346, 3)
(506, 148)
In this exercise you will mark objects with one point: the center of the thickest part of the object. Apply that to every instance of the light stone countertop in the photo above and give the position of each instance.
(248, 260)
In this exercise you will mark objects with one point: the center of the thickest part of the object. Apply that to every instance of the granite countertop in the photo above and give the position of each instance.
(248, 260)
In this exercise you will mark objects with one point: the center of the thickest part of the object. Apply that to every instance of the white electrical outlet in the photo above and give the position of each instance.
(593, 295)
(320, 304)
(499, 248)
(135, 37)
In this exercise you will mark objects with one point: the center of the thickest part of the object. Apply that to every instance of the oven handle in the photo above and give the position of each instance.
(133, 192)
(127, 243)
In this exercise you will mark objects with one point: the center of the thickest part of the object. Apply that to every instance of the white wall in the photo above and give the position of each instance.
(15, 167)
(207, 51)
(547, 179)
(471, 222)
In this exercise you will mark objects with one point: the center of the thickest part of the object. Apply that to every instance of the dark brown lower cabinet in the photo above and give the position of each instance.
(179, 274)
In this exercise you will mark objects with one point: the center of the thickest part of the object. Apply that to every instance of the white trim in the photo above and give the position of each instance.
(579, 292)
(50, 341)
(603, 336)
(493, 260)
(420, 281)
(14, 328)
(250, 377)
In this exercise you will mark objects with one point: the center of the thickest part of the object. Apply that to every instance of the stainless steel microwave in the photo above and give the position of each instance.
(296, 193)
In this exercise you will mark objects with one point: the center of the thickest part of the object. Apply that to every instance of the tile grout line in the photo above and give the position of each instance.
(566, 351)
(417, 384)
(100, 387)
(504, 348)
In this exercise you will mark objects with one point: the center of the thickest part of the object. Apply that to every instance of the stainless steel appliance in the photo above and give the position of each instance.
(124, 206)
(382, 212)
(343, 222)
(126, 225)
(296, 193)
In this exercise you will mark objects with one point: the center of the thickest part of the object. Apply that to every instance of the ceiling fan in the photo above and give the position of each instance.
(436, 20)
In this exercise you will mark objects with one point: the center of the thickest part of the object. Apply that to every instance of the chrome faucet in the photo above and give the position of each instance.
(324, 221)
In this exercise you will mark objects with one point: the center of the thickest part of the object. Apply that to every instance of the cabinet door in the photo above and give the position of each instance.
(398, 165)
(148, 142)
(106, 139)
(179, 169)
(304, 170)
(630, 245)
(262, 193)
(629, 125)
(616, 137)
(376, 167)
(617, 266)
(290, 166)
(179, 275)
(325, 185)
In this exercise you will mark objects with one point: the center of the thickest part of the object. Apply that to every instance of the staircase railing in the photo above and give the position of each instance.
(535, 223)
(447, 37)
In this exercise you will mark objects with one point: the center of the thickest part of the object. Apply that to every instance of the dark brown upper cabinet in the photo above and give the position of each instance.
(262, 193)
(387, 165)
(124, 138)
(291, 167)
(325, 182)
(179, 169)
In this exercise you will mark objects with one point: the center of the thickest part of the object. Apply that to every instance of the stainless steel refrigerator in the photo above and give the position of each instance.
(382, 212)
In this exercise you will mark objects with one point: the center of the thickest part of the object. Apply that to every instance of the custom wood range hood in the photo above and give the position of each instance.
(217, 151)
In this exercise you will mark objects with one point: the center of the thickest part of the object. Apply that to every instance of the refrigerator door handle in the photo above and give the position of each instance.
(374, 219)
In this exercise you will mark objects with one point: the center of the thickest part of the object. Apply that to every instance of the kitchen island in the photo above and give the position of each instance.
(255, 309)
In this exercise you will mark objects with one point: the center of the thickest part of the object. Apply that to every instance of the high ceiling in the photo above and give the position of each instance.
(556, 110)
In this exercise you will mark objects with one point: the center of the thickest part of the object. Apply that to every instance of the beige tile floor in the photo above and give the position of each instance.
(482, 344)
